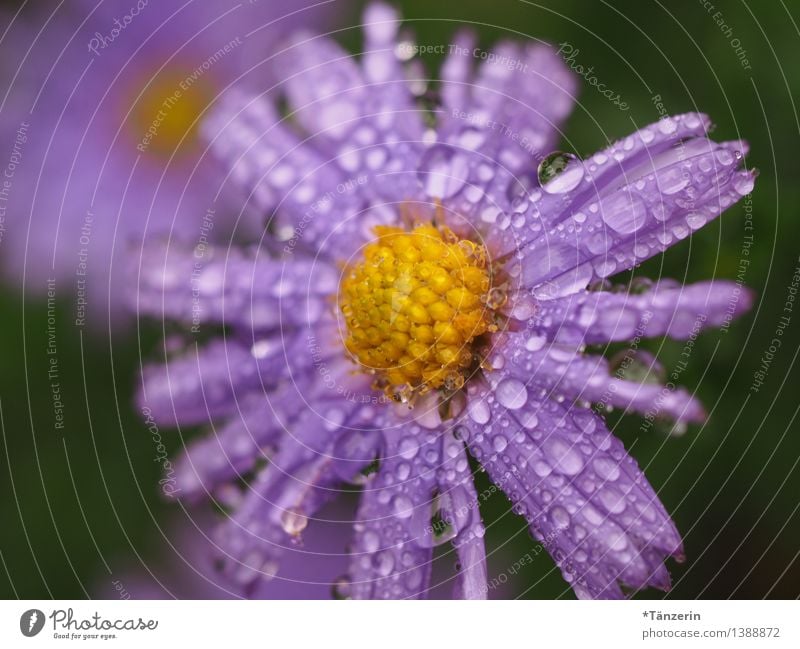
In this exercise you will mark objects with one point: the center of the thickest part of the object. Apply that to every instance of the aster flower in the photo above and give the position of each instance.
(101, 110)
(426, 286)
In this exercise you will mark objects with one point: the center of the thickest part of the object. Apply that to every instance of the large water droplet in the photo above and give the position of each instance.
(672, 180)
(560, 172)
(408, 447)
(743, 184)
(606, 468)
(560, 517)
(624, 212)
(293, 522)
(567, 460)
(383, 563)
(478, 411)
(511, 393)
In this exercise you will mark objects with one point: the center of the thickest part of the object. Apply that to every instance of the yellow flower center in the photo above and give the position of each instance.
(415, 306)
(164, 117)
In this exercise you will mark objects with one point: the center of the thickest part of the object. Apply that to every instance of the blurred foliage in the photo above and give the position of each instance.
(732, 485)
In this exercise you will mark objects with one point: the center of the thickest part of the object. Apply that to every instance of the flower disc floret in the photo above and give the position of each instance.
(415, 306)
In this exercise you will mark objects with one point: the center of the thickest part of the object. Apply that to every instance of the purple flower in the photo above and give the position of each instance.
(421, 292)
(100, 119)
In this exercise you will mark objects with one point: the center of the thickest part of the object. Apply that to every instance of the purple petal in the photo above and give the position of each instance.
(586, 500)
(561, 370)
(240, 288)
(664, 310)
(393, 545)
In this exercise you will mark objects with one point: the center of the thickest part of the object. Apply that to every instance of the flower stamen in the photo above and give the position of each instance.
(415, 306)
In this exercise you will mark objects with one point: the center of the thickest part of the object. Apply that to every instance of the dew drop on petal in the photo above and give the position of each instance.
(500, 443)
(408, 448)
(511, 393)
(606, 468)
(743, 184)
(567, 460)
(535, 343)
(478, 411)
(293, 522)
(560, 172)
(624, 212)
(443, 171)
(402, 506)
(560, 517)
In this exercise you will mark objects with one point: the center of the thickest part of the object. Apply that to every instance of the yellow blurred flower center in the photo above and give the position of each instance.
(414, 307)
(164, 118)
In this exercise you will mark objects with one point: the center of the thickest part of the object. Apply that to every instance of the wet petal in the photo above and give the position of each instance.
(584, 497)
(560, 370)
(665, 309)
(235, 287)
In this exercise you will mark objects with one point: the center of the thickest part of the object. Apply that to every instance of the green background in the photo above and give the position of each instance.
(732, 486)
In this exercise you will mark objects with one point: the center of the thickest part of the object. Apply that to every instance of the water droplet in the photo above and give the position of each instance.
(402, 506)
(408, 447)
(403, 471)
(560, 172)
(560, 517)
(724, 157)
(370, 541)
(293, 522)
(612, 500)
(443, 171)
(263, 348)
(499, 443)
(566, 459)
(535, 343)
(667, 125)
(383, 563)
(695, 220)
(624, 212)
(478, 411)
(743, 184)
(672, 180)
(512, 394)
(606, 468)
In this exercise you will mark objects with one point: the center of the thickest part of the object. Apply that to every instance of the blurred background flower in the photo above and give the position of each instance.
(102, 105)
(81, 471)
